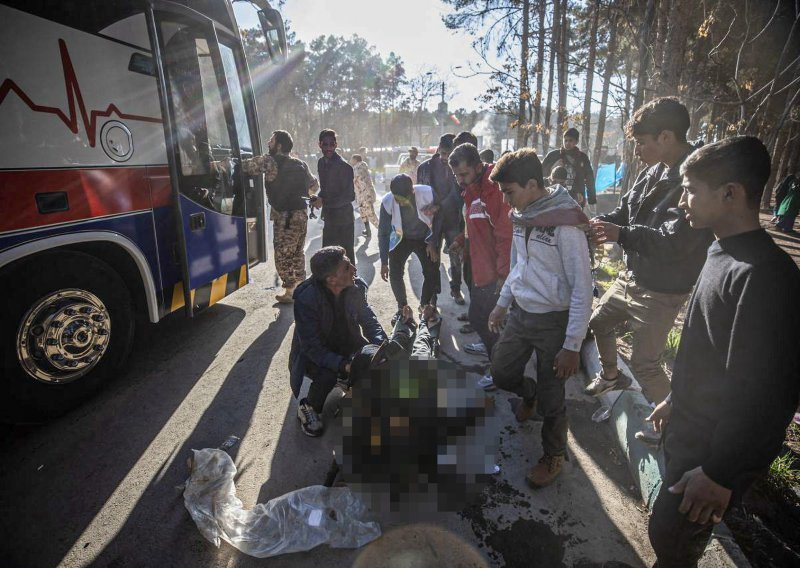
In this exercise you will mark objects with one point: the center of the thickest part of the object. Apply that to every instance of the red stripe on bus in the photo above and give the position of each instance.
(91, 192)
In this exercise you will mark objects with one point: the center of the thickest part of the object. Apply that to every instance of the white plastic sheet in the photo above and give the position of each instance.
(294, 522)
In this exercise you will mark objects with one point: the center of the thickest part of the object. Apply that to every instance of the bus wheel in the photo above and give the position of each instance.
(66, 329)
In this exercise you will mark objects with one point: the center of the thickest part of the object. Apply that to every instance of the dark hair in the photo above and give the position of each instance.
(446, 141)
(665, 113)
(739, 159)
(326, 261)
(559, 173)
(572, 133)
(401, 184)
(284, 139)
(465, 153)
(465, 137)
(518, 167)
(357, 158)
(327, 133)
(487, 155)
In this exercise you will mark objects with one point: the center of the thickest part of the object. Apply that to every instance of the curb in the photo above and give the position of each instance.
(629, 409)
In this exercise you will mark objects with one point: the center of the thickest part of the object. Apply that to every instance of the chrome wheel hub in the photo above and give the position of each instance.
(63, 336)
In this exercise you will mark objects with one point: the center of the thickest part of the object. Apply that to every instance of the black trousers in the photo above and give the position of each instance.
(525, 332)
(678, 542)
(455, 260)
(397, 268)
(342, 235)
(322, 382)
(482, 300)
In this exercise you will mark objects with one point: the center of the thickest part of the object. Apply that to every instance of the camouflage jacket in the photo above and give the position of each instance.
(362, 180)
(409, 167)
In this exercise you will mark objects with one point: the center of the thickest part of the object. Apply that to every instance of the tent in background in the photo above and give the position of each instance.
(606, 178)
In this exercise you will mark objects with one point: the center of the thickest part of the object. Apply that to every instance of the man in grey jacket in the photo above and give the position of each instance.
(550, 287)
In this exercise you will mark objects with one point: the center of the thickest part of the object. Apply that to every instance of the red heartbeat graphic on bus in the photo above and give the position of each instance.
(74, 96)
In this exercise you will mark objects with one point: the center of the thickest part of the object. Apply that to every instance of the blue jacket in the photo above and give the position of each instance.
(313, 323)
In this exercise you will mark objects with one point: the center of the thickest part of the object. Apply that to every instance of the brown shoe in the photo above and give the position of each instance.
(523, 410)
(286, 297)
(545, 471)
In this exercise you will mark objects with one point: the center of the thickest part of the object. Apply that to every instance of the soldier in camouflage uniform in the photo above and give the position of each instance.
(287, 181)
(410, 164)
(365, 192)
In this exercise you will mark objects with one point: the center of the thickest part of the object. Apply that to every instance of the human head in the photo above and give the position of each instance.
(327, 142)
(280, 143)
(465, 161)
(413, 152)
(657, 127)
(559, 176)
(571, 137)
(445, 146)
(401, 185)
(519, 175)
(362, 151)
(723, 180)
(355, 159)
(487, 156)
(331, 267)
(465, 137)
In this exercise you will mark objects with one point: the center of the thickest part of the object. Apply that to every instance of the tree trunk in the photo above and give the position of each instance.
(675, 47)
(563, 73)
(645, 31)
(587, 101)
(537, 103)
(523, 125)
(778, 152)
(555, 40)
(611, 63)
(659, 36)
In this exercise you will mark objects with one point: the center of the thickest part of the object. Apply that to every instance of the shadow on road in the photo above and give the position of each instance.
(58, 477)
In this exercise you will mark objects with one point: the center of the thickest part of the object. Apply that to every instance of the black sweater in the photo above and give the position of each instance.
(735, 383)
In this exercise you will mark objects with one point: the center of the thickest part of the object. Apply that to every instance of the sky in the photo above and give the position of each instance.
(413, 29)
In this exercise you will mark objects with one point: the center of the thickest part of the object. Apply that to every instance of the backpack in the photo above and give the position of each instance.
(286, 191)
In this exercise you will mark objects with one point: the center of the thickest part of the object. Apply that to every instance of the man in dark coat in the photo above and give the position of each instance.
(333, 321)
(336, 196)
(580, 177)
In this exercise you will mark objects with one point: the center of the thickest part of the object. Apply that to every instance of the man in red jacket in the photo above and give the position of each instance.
(489, 230)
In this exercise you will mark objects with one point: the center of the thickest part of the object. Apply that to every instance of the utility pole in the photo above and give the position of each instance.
(442, 112)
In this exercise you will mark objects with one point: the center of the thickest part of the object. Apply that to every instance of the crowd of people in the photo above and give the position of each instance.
(518, 237)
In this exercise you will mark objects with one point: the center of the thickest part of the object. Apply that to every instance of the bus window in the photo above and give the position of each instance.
(204, 144)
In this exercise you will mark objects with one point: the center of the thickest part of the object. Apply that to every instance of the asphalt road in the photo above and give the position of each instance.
(101, 486)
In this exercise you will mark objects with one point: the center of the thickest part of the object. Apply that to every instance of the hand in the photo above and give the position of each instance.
(703, 499)
(385, 272)
(579, 198)
(456, 248)
(566, 363)
(432, 251)
(660, 415)
(316, 202)
(497, 319)
(430, 209)
(347, 368)
(604, 232)
(499, 286)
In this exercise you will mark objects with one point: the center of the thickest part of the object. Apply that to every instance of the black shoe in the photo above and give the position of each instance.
(310, 421)
(458, 298)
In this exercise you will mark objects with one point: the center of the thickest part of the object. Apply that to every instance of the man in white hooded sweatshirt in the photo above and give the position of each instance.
(549, 291)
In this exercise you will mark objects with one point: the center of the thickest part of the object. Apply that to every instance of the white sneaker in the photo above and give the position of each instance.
(476, 349)
(486, 383)
(310, 421)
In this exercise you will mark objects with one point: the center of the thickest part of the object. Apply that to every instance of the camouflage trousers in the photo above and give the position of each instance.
(289, 229)
(367, 211)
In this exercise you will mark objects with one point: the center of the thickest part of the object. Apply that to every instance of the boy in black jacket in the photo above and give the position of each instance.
(735, 383)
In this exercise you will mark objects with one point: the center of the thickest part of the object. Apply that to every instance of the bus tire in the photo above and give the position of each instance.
(66, 329)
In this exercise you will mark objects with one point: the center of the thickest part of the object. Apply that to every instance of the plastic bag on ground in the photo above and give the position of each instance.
(297, 521)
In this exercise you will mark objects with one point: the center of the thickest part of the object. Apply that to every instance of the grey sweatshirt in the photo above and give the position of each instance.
(552, 274)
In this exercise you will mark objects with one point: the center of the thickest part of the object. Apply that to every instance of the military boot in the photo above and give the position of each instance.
(286, 297)
(545, 471)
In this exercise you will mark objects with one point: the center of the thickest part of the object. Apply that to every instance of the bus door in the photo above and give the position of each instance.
(209, 130)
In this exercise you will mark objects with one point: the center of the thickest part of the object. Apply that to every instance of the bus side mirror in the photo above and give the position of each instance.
(275, 34)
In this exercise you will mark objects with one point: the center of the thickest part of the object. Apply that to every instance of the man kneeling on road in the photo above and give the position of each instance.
(332, 319)
(550, 287)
